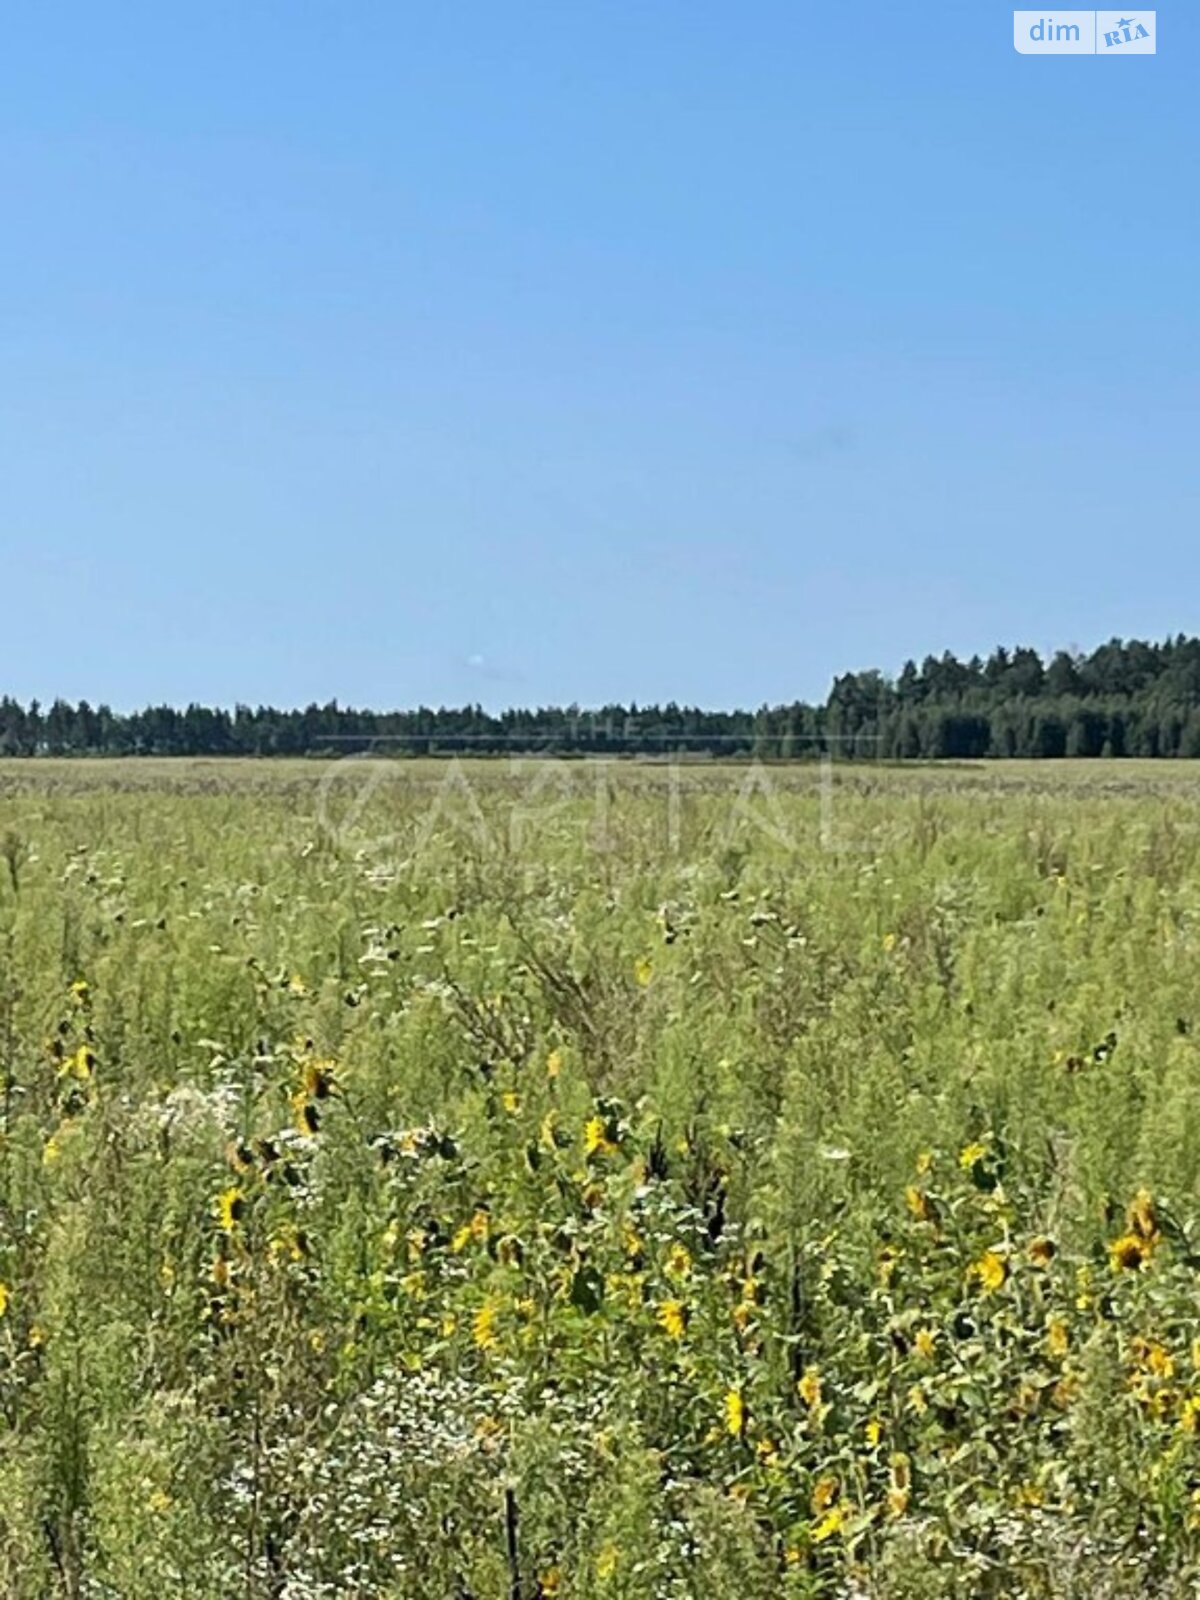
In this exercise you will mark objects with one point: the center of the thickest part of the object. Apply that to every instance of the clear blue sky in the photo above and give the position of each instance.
(531, 353)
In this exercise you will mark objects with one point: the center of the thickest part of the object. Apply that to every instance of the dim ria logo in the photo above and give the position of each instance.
(1084, 33)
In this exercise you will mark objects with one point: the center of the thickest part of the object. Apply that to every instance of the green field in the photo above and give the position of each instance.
(548, 1179)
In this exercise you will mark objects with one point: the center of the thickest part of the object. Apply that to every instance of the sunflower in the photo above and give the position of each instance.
(305, 1114)
(1042, 1252)
(672, 1318)
(231, 1208)
(319, 1081)
(679, 1261)
(81, 1065)
(990, 1271)
(596, 1140)
(240, 1156)
(1129, 1253)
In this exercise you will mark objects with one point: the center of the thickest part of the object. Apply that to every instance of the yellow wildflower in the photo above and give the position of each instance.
(643, 971)
(888, 1261)
(735, 1413)
(924, 1342)
(1058, 1339)
(476, 1228)
(824, 1493)
(1129, 1253)
(483, 1327)
(970, 1154)
(550, 1582)
(1064, 1392)
(319, 1080)
(672, 1318)
(873, 1432)
(990, 1271)
(305, 1115)
(595, 1137)
(606, 1562)
(231, 1208)
(1154, 1358)
(829, 1525)
(679, 1261)
(5, 1297)
(809, 1387)
(79, 1066)
(554, 1063)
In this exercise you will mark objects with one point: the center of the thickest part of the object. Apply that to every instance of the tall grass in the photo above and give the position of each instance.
(597, 1182)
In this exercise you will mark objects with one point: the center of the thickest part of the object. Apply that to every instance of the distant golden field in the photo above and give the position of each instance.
(511, 1180)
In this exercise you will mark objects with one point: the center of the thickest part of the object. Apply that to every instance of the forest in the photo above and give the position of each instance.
(1125, 698)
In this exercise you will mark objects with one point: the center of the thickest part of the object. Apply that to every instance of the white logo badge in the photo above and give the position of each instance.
(1084, 33)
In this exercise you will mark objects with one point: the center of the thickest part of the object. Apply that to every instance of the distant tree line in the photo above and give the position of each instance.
(1127, 698)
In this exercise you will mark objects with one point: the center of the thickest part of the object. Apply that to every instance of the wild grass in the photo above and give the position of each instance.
(561, 1180)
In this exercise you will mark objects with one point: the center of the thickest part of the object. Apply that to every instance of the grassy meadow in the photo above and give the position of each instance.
(605, 1182)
